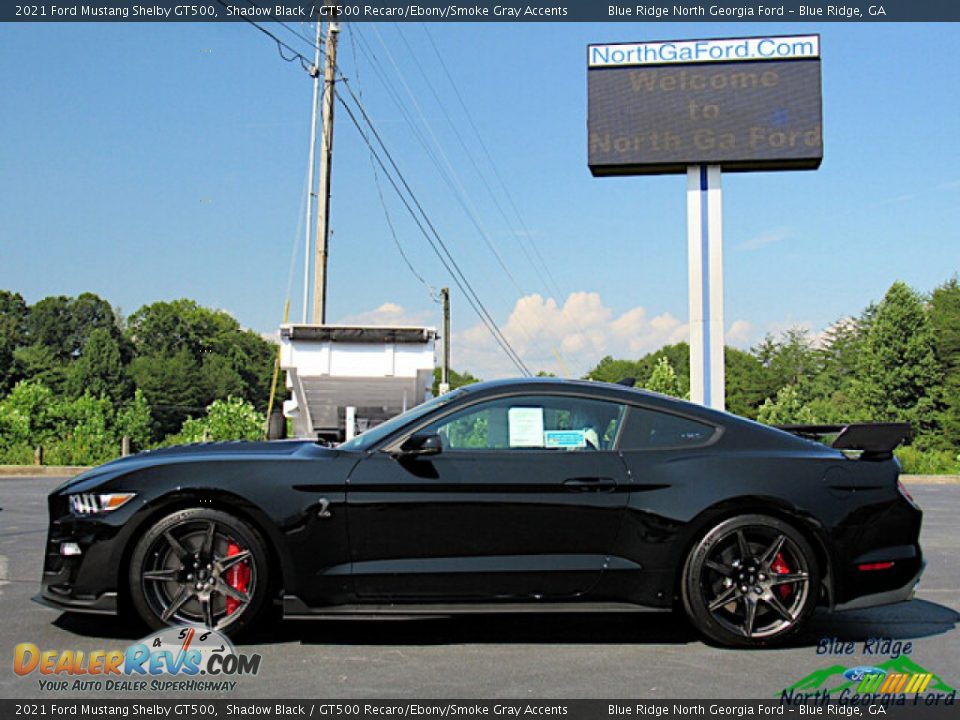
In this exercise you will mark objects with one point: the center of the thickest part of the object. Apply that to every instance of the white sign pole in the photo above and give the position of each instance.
(705, 243)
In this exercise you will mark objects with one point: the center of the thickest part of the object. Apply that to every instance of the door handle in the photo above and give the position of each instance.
(590, 484)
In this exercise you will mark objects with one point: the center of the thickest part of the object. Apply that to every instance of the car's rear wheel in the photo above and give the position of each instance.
(199, 567)
(751, 581)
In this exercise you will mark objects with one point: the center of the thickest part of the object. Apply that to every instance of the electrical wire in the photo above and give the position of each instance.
(549, 280)
(524, 236)
(433, 237)
(431, 290)
(449, 173)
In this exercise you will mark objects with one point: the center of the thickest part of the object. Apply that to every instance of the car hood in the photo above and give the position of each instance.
(199, 452)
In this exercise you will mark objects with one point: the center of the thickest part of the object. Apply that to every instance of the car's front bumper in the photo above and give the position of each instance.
(887, 597)
(103, 604)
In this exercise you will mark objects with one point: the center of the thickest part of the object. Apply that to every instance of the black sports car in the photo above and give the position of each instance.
(507, 496)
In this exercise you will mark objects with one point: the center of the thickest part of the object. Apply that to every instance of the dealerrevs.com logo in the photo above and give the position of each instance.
(175, 659)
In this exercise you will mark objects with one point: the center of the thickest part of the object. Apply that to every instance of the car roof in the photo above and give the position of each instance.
(607, 390)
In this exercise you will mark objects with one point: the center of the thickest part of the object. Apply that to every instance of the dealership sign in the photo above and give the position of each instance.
(742, 104)
(702, 107)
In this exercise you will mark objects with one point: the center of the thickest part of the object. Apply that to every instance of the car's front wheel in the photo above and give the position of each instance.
(751, 581)
(199, 567)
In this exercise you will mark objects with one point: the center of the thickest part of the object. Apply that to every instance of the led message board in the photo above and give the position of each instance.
(742, 104)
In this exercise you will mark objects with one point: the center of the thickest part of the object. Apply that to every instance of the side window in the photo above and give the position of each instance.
(549, 422)
(646, 428)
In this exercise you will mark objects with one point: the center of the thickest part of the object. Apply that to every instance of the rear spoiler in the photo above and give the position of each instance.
(874, 441)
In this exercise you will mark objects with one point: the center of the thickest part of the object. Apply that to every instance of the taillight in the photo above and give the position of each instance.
(866, 567)
(907, 496)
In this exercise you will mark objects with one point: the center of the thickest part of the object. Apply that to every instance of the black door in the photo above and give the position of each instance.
(524, 502)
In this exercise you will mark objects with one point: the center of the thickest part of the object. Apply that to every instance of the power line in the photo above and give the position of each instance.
(524, 236)
(493, 166)
(449, 175)
(436, 242)
(445, 257)
(281, 45)
(431, 290)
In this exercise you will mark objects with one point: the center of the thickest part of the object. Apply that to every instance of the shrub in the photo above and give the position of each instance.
(928, 462)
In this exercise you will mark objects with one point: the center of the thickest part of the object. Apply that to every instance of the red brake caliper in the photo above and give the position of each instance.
(780, 567)
(238, 576)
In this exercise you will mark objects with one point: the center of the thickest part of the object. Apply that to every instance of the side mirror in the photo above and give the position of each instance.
(427, 443)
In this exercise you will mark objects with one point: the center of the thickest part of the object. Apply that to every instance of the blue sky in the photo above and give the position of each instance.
(154, 161)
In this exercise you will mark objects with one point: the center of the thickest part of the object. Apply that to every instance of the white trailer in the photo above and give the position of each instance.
(378, 372)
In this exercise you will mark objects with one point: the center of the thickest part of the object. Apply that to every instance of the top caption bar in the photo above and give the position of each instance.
(481, 11)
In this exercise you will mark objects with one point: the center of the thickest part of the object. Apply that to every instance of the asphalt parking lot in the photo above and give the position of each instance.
(549, 656)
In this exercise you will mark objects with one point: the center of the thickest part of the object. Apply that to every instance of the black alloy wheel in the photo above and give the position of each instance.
(751, 581)
(199, 567)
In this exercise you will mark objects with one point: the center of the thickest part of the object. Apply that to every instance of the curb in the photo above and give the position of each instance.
(14, 472)
(930, 479)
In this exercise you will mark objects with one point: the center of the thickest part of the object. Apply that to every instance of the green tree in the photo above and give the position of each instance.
(831, 391)
(27, 419)
(99, 370)
(39, 363)
(944, 312)
(610, 370)
(664, 380)
(251, 358)
(218, 379)
(49, 325)
(135, 422)
(170, 385)
(85, 433)
(228, 360)
(898, 373)
(455, 378)
(166, 328)
(787, 409)
(790, 358)
(64, 324)
(234, 419)
(13, 328)
(229, 419)
(747, 382)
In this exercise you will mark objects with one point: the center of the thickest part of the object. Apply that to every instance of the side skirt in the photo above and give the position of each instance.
(295, 609)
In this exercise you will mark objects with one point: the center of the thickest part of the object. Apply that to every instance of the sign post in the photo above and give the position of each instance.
(703, 107)
(705, 245)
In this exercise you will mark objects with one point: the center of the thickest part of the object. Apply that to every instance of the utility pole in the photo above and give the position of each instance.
(326, 154)
(311, 191)
(445, 367)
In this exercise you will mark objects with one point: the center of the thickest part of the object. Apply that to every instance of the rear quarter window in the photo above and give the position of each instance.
(645, 429)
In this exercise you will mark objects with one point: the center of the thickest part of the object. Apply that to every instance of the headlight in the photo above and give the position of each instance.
(90, 503)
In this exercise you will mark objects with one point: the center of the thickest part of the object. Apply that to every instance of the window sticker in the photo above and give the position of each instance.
(565, 439)
(526, 426)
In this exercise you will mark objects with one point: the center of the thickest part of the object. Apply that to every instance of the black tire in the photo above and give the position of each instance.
(180, 572)
(766, 572)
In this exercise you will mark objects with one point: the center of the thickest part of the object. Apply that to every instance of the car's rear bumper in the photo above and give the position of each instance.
(887, 597)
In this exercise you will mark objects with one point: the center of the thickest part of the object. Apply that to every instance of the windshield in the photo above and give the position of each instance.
(374, 435)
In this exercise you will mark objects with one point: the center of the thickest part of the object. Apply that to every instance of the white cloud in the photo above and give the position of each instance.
(389, 314)
(767, 238)
(739, 334)
(582, 329)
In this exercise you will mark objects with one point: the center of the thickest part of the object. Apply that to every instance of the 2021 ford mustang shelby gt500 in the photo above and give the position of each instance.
(508, 496)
